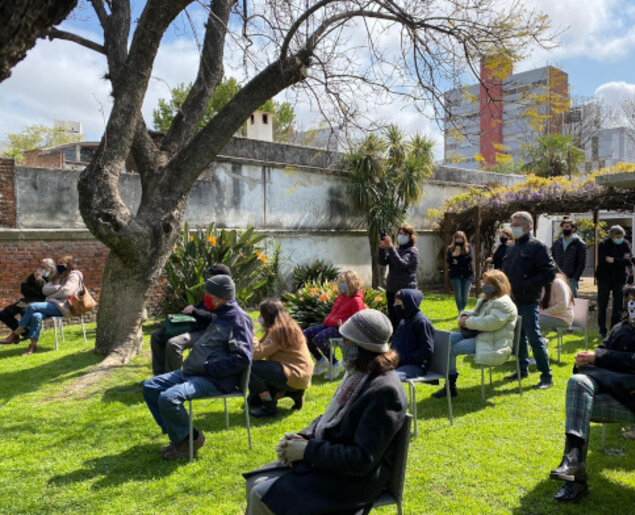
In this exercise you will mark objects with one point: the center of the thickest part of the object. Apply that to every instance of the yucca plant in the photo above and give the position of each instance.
(317, 272)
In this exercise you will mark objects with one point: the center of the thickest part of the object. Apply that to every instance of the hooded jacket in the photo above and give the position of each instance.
(414, 337)
(344, 308)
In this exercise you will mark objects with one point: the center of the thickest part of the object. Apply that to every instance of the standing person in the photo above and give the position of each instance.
(402, 262)
(343, 460)
(569, 253)
(529, 268)
(348, 302)
(556, 305)
(614, 255)
(167, 353)
(66, 282)
(31, 290)
(214, 366)
(282, 362)
(461, 271)
(505, 239)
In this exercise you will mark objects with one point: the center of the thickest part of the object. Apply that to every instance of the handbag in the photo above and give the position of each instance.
(468, 333)
(82, 303)
(175, 325)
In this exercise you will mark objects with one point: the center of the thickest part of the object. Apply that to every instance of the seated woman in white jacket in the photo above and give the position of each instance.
(487, 330)
(556, 305)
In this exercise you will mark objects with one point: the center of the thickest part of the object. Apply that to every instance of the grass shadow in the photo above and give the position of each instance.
(128, 394)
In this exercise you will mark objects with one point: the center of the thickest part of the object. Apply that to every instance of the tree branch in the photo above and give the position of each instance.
(102, 15)
(68, 36)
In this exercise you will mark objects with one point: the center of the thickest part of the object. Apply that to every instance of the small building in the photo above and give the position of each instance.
(73, 156)
(260, 126)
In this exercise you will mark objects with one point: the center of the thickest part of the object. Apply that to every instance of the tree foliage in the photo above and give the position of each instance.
(553, 155)
(37, 136)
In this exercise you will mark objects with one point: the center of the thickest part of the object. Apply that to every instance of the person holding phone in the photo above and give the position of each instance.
(459, 258)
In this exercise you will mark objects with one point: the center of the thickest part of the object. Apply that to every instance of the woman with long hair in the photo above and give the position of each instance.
(66, 282)
(459, 258)
(282, 365)
(556, 305)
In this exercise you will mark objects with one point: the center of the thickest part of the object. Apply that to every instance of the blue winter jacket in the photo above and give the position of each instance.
(414, 337)
(225, 349)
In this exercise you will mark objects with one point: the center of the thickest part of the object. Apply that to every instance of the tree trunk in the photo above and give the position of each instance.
(378, 271)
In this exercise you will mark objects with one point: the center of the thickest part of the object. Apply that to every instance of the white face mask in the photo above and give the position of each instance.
(518, 232)
(631, 310)
(402, 239)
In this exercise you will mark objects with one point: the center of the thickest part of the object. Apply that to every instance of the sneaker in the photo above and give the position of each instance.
(532, 362)
(182, 450)
(514, 376)
(268, 409)
(544, 384)
(320, 367)
(335, 371)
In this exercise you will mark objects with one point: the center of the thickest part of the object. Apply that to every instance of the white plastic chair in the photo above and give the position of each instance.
(60, 321)
(580, 323)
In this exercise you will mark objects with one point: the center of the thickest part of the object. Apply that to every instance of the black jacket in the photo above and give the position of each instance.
(499, 256)
(203, 317)
(350, 466)
(612, 273)
(31, 289)
(463, 268)
(528, 266)
(614, 369)
(414, 337)
(571, 261)
(402, 264)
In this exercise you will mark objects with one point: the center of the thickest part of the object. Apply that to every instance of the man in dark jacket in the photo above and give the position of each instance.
(31, 290)
(609, 370)
(414, 339)
(614, 255)
(529, 267)
(167, 353)
(569, 253)
(214, 366)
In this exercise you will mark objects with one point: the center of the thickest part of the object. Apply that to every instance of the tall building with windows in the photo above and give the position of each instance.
(493, 121)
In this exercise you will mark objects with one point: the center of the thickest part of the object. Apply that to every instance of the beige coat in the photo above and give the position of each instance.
(58, 292)
(560, 305)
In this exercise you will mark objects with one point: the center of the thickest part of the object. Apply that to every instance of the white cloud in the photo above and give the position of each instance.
(614, 93)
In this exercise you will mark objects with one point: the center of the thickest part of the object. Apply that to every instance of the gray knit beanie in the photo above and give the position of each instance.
(368, 328)
(221, 286)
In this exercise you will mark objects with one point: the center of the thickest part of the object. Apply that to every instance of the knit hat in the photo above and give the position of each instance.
(369, 329)
(221, 286)
(219, 269)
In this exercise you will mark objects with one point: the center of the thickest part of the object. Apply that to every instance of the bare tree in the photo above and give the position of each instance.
(337, 51)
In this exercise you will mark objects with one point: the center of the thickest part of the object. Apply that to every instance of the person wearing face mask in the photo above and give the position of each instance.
(569, 253)
(610, 369)
(402, 262)
(167, 352)
(214, 366)
(614, 255)
(529, 267)
(414, 338)
(459, 258)
(31, 290)
(66, 282)
(487, 330)
(349, 301)
(505, 239)
(343, 460)
(282, 363)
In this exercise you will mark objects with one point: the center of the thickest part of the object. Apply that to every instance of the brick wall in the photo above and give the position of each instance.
(39, 159)
(7, 194)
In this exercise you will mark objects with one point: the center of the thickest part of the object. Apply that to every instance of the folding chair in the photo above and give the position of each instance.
(244, 390)
(515, 348)
(622, 416)
(60, 321)
(333, 344)
(580, 323)
(393, 494)
(439, 369)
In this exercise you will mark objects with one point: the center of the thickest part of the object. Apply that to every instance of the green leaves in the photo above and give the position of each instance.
(317, 272)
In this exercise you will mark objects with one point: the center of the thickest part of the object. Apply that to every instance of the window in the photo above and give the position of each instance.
(265, 119)
(253, 120)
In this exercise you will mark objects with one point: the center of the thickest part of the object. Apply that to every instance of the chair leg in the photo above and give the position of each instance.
(248, 421)
(413, 404)
(62, 330)
(482, 383)
(559, 341)
(191, 417)
(331, 353)
(491, 383)
(520, 379)
(83, 329)
(226, 415)
(604, 438)
(447, 392)
(586, 339)
(55, 331)
(399, 508)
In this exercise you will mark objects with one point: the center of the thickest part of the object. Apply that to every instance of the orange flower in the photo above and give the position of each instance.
(329, 294)
(378, 299)
(323, 298)
(314, 291)
(191, 238)
(212, 240)
(262, 258)
(175, 247)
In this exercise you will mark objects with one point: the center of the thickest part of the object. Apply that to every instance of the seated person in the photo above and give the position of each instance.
(556, 305)
(167, 354)
(66, 282)
(214, 366)
(487, 330)
(348, 302)
(31, 290)
(414, 337)
(282, 363)
(609, 370)
(342, 461)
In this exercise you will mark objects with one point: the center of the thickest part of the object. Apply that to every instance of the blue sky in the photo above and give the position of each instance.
(64, 81)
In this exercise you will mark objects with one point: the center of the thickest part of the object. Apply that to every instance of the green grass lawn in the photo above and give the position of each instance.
(97, 451)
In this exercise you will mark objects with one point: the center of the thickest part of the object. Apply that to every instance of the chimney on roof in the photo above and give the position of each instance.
(260, 126)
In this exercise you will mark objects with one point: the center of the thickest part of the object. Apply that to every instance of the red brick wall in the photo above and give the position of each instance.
(491, 114)
(38, 159)
(7, 194)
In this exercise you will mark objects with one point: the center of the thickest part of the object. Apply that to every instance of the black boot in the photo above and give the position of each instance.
(298, 398)
(572, 491)
(268, 409)
(442, 393)
(572, 467)
(253, 400)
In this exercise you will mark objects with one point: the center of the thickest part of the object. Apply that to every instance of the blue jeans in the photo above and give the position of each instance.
(33, 316)
(165, 395)
(573, 284)
(407, 371)
(531, 334)
(460, 346)
(461, 291)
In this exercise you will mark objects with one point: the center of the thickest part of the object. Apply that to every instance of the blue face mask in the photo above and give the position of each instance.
(342, 287)
(402, 239)
(518, 232)
(488, 289)
(618, 241)
(61, 269)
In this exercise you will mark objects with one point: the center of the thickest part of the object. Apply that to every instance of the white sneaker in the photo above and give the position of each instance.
(335, 371)
(320, 367)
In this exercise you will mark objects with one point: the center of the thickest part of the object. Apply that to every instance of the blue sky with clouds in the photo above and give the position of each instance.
(60, 80)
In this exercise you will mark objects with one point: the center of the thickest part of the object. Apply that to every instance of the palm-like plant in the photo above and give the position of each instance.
(386, 176)
(553, 155)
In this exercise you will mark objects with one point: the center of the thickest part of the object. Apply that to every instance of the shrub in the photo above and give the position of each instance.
(313, 301)
(253, 271)
(316, 272)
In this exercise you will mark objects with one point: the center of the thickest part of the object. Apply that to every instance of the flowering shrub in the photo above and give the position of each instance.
(317, 272)
(253, 269)
(313, 301)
